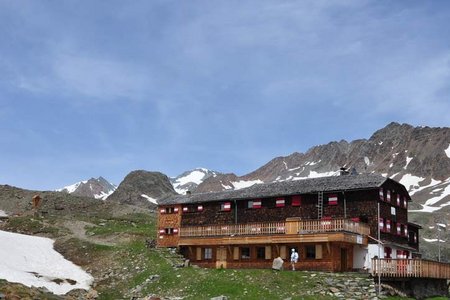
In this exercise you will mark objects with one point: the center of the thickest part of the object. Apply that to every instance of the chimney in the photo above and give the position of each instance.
(343, 171)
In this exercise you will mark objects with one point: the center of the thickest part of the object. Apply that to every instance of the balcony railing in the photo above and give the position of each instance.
(275, 228)
(386, 267)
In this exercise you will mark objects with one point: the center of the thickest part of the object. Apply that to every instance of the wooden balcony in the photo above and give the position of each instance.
(418, 268)
(292, 230)
(270, 228)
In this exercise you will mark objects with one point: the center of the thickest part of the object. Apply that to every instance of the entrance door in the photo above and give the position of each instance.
(221, 258)
(343, 259)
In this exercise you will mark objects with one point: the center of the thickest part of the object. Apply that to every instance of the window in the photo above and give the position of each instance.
(398, 200)
(381, 224)
(245, 252)
(226, 206)
(296, 200)
(311, 251)
(388, 225)
(387, 252)
(332, 200)
(393, 211)
(168, 210)
(261, 252)
(388, 196)
(381, 193)
(199, 207)
(279, 202)
(208, 253)
(399, 229)
(169, 231)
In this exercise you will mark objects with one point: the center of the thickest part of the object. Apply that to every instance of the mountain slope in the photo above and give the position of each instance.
(142, 188)
(98, 188)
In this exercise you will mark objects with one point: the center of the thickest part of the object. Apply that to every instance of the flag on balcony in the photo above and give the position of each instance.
(279, 202)
(296, 200)
(332, 200)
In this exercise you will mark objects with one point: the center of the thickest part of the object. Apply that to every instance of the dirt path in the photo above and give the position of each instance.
(78, 229)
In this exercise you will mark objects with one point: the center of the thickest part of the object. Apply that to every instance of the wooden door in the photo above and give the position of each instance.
(221, 258)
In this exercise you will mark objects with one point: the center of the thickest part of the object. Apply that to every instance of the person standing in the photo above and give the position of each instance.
(294, 258)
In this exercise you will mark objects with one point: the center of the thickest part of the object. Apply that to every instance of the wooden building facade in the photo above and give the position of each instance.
(332, 222)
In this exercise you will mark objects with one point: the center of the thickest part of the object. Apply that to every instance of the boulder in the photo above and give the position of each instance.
(277, 264)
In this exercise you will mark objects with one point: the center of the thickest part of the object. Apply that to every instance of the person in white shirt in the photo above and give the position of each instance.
(294, 258)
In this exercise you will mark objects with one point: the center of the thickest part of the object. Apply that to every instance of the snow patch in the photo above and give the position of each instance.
(2, 213)
(447, 151)
(314, 174)
(32, 261)
(293, 169)
(285, 165)
(445, 193)
(408, 160)
(367, 160)
(195, 176)
(103, 195)
(411, 182)
(152, 200)
(390, 166)
(380, 143)
(227, 187)
(243, 184)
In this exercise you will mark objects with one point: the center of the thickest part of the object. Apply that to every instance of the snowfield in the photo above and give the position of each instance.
(32, 261)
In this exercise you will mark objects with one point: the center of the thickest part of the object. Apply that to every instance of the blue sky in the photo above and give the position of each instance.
(90, 88)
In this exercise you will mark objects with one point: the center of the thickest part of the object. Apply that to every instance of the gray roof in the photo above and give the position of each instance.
(285, 188)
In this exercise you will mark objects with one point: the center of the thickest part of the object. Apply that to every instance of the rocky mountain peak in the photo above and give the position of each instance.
(98, 188)
(142, 188)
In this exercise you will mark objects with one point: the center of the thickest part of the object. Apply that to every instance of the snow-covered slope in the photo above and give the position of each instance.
(98, 188)
(189, 180)
(32, 261)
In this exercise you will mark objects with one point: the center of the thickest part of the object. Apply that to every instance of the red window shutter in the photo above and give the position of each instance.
(175, 231)
(332, 200)
(162, 231)
(257, 203)
(388, 196)
(296, 200)
(175, 209)
(279, 202)
(162, 210)
(200, 208)
(381, 193)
